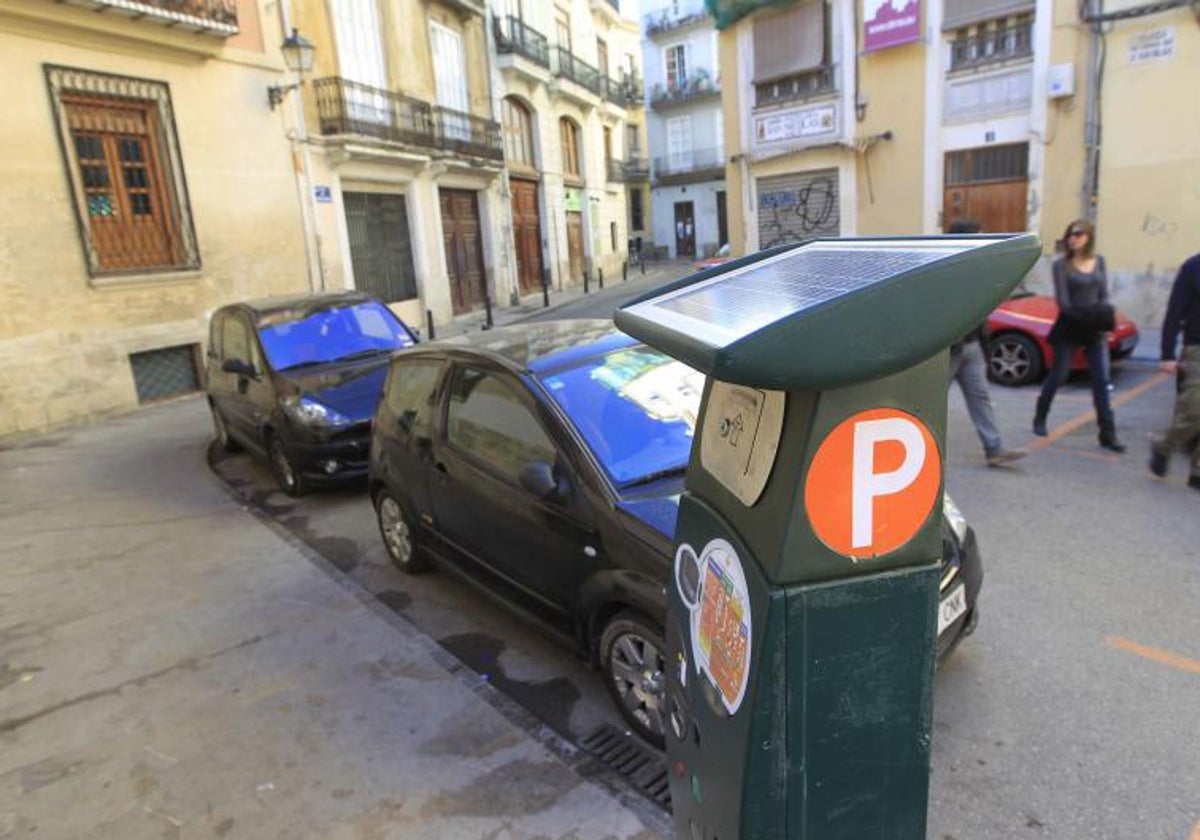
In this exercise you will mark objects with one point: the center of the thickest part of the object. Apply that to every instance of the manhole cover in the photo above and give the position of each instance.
(643, 766)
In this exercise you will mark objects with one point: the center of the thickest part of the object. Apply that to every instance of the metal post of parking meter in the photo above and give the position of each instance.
(801, 629)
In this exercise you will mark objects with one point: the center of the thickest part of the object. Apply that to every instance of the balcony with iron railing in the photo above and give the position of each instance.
(467, 134)
(698, 86)
(810, 84)
(632, 168)
(681, 14)
(992, 46)
(218, 17)
(625, 92)
(569, 66)
(691, 165)
(346, 107)
(515, 37)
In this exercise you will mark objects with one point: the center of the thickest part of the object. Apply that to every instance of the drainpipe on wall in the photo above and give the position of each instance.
(1091, 171)
(299, 138)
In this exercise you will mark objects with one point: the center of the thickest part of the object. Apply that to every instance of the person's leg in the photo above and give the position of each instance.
(1057, 376)
(1185, 422)
(972, 378)
(1096, 352)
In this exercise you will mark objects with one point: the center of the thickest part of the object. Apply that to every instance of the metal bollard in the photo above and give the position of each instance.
(585, 281)
(429, 324)
(600, 277)
(625, 271)
(487, 308)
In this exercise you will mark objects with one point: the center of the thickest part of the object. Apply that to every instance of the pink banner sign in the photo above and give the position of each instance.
(887, 23)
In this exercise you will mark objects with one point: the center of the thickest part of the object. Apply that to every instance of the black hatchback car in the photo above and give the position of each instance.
(546, 463)
(297, 380)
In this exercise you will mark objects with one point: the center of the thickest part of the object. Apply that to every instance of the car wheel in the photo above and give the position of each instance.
(398, 536)
(284, 468)
(632, 655)
(1014, 359)
(221, 431)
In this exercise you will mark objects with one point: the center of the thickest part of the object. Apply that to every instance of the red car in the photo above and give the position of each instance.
(1017, 350)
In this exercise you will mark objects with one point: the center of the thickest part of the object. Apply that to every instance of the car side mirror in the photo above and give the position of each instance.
(238, 366)
(538, 478)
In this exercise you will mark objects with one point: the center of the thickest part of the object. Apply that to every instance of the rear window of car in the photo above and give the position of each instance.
(331, 335)
(635, 407)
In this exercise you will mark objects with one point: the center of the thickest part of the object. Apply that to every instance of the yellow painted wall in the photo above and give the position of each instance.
(64, 338)
(1148, 219)
(891, 173)
(735, 167)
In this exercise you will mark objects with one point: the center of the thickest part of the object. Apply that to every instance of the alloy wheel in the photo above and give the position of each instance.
(281, 465)
(636, 668)
(396, 534)
(1011, 361)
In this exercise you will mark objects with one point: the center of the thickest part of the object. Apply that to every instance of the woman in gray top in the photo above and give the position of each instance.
(1085, 315)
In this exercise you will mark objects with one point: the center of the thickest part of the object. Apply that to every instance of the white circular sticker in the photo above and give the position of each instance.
(713, 587)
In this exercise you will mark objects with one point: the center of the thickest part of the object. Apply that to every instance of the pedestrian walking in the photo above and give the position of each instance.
(1084, 318)
(1183, 315)
(968, 367)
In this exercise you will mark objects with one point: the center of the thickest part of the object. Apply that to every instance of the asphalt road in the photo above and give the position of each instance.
(1074, 710)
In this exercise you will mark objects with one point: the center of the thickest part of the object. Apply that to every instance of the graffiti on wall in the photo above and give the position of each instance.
(798, 212)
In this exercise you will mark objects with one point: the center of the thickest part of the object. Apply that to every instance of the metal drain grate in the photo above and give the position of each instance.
(633, 760)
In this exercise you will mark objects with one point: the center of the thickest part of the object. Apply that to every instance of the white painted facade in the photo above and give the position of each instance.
(680, 54)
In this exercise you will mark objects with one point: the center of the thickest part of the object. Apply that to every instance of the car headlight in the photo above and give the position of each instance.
(309, 412)
(958, 522)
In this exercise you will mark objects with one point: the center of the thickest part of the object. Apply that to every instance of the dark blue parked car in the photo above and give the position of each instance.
(297, 380)
(545, 462)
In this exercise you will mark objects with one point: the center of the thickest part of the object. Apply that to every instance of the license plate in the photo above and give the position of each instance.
(1127, 342)
(952, 607)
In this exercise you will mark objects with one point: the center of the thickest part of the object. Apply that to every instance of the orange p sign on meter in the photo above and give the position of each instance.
(873, 482)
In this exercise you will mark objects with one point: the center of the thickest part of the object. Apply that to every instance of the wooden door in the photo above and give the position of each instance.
(527, 234)
(987, 185)
(575, 245)
(464, 249)
(685, 229)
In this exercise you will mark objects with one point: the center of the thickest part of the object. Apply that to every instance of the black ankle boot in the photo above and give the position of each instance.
(1039, 416)
(1109, 441)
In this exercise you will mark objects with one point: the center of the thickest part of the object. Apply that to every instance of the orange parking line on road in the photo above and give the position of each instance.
(1195, 835)
(1059, 432)
(1163, 657)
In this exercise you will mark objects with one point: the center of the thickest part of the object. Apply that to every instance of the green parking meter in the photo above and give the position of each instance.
(801, 630)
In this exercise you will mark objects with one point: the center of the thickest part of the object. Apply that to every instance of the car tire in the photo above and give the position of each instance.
(633, 657)
(283, 467)
(1014, 359)
(221, 430)
(399, 537)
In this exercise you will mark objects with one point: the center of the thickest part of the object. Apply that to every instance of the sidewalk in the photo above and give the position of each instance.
(173, 665)
(532, 305)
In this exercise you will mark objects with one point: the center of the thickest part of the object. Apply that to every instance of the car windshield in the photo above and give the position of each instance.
(335, 334)
(636, 408)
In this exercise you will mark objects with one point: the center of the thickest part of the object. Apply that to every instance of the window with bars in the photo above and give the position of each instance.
(168, 372)
(122, 156)
(995, 163)
(992, 42)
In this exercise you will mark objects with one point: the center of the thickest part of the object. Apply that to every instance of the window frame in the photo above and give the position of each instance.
(681, 63)
(523, 129)
(70, 87)
(568, 138)
(522, 397)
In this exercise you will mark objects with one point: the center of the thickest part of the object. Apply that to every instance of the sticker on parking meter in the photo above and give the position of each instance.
(713, 586)
(873, 483)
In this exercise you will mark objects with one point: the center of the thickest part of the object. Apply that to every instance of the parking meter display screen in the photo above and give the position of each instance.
(733, 305)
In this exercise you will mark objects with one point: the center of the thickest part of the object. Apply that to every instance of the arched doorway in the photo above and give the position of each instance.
(519, 155)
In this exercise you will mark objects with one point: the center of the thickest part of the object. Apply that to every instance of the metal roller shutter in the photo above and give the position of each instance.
(798, 206)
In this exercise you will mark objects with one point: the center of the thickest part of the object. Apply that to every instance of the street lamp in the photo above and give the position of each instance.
(298, 56)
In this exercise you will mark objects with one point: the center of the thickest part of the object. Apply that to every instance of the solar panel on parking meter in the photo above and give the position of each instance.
(801, 629)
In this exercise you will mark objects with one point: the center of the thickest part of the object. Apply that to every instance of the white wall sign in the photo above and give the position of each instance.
(1155, 45)
(801, 123)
